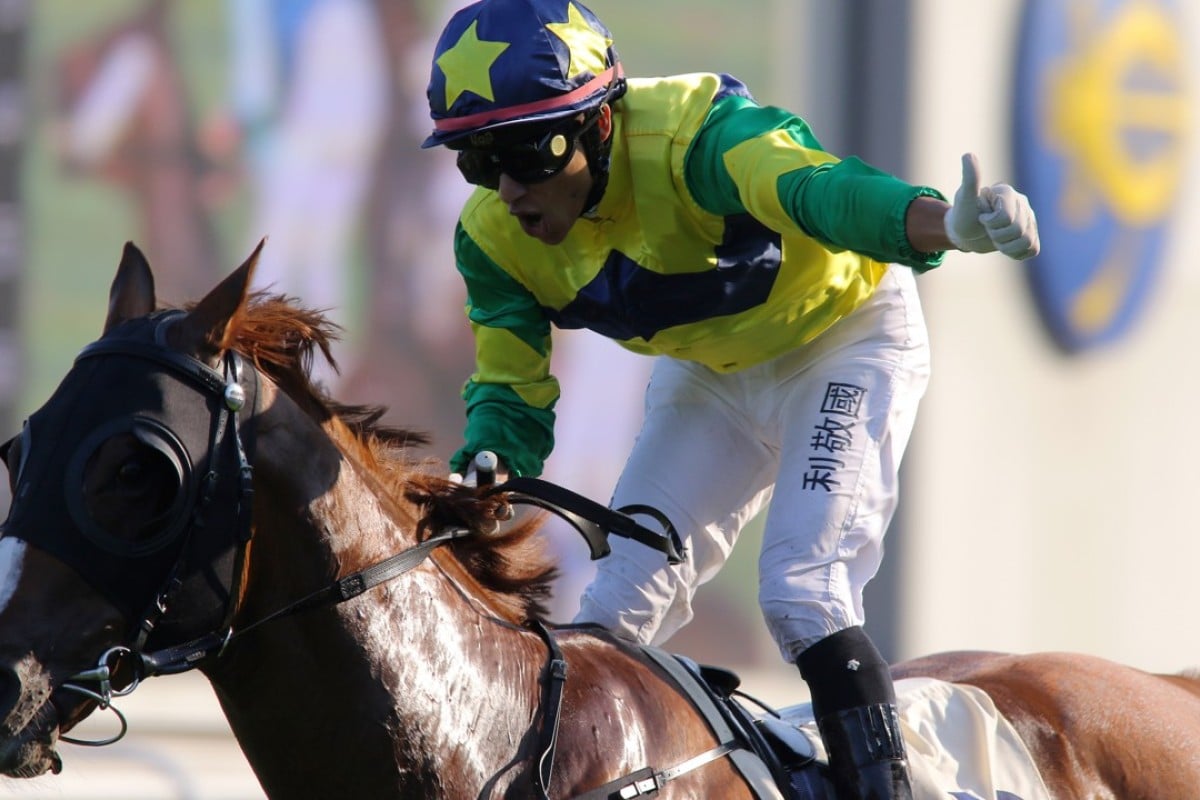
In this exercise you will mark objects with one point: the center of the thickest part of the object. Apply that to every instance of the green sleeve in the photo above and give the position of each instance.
(510, 398)
(766, 161)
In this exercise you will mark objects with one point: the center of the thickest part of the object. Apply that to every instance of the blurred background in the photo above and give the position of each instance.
(1045, 502)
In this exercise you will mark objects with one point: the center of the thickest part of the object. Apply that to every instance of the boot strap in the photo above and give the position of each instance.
(866, 735)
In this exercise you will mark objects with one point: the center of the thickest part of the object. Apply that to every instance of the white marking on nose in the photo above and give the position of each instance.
(12, 557)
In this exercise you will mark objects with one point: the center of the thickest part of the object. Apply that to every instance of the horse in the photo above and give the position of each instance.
(189, 499)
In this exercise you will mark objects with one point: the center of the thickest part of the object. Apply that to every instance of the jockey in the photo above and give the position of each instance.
(772, 282)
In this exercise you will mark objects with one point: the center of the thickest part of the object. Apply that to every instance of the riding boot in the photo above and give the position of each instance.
(854, 703)
(866, 753)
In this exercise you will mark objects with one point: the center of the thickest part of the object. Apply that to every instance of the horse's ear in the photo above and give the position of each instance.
(208, 328)
(132, 292)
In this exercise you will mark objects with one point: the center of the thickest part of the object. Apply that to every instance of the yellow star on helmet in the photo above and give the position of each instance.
(467, 65)
(587, 45)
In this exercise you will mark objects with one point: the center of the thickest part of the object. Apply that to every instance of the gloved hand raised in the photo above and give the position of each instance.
(990, 218)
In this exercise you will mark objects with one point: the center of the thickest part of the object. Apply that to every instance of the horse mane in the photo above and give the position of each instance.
(282, 339)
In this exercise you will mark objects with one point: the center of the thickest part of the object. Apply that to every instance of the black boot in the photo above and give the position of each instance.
(866, 753)
(854, 704)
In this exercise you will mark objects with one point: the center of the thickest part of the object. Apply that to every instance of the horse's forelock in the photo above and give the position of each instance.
(281, 336)
(283, 339)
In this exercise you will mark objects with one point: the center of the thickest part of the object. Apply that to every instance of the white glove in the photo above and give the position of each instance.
(995, 217)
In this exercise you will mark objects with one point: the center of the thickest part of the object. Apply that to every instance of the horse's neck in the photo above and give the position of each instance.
(414, 681)
(465, 683)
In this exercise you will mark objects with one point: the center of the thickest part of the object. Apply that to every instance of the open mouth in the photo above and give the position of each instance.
(30, 753)
(40, 759)
(28, 750)
(532, 224)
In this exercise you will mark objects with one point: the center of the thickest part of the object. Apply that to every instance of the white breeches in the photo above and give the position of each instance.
(817, 434)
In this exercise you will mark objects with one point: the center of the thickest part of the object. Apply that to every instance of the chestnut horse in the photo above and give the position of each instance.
(187, 498)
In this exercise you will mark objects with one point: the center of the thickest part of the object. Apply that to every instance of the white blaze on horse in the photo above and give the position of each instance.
(188, 499)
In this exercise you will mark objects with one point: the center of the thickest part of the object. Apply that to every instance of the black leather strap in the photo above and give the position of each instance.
(552, 691)
(593, 520)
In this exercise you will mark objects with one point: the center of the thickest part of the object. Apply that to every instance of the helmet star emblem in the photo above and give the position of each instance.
(467, 65)
(588, 47)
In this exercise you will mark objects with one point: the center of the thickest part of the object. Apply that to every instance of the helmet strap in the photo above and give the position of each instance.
(598, 150)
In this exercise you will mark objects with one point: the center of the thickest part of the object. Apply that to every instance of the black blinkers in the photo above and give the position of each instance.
(181, 417)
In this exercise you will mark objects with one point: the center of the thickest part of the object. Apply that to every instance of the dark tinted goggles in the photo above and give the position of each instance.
(528, 162)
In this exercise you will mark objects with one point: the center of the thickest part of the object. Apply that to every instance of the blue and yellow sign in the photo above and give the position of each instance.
(1102, 131)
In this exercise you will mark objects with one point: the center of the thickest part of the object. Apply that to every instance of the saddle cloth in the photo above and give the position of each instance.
(959, 745)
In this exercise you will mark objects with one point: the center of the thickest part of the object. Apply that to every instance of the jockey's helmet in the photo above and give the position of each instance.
(529, 63)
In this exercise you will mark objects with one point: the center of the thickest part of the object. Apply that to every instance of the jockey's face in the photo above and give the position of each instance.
(547, 210)
(542, 177)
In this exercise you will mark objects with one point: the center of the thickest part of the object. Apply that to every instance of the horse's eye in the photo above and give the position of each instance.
(132, 472)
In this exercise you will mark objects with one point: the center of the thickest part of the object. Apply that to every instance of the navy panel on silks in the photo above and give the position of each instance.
(627, 301)
(1101, 139)
(732, 87)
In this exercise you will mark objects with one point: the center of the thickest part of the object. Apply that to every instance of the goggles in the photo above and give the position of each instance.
(526, 163)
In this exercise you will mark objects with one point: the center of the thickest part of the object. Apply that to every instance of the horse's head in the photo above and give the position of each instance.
(131, 493)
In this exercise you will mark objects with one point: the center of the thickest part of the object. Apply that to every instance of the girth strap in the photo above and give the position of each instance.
(552, 692)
